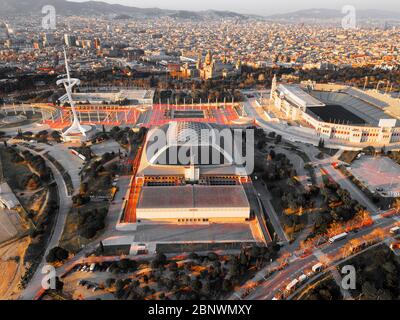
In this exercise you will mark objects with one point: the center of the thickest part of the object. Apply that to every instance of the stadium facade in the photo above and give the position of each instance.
(340, 112)
(189, 193)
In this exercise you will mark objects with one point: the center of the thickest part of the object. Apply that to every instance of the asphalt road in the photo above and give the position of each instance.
(355, 192)
(297, 265)
(265, 196)
(65, 203)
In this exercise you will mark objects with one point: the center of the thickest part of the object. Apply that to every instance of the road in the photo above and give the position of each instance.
(265, 198)
(355, 192)
(258, 210)
(268, 289)
(297, 265)
(338, 176)
(65, 203)
(298, 164)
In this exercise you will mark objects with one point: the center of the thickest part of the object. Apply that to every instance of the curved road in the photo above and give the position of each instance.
(297, 265)
(65, 203)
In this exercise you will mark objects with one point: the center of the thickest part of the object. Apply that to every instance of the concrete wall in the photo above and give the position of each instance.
(212, 214)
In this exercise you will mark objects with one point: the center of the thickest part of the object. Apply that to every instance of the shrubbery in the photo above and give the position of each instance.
(57, 254)
(90, 222)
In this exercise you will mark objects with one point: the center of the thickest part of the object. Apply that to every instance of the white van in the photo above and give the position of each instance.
(92, 267)
(317, 267)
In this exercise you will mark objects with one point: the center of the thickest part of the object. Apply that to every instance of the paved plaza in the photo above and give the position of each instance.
(380, 174)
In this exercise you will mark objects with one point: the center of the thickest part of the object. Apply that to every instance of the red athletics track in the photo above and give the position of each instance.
(220, 114)
(108, 115)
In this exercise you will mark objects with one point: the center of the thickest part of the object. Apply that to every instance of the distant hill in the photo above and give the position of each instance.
(63, 7)
(98, 8)
(331, 14)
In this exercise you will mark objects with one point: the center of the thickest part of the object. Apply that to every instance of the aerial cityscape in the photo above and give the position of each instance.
(199, 154)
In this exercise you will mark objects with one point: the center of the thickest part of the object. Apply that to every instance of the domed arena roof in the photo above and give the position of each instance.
(195, 139)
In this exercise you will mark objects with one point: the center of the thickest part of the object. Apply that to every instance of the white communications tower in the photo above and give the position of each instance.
(76, 128)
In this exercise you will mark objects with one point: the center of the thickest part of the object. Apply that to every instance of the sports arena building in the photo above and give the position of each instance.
(340, 112)
(128, 97)
(197, 191)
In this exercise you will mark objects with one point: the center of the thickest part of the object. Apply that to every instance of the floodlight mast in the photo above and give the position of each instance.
(69, 83)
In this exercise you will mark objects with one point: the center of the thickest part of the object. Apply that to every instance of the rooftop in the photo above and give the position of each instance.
(299, 96)
(193, 196)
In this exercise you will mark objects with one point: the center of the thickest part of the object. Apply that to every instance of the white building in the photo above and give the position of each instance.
(340, 112)
(194, 192)
(134, 97)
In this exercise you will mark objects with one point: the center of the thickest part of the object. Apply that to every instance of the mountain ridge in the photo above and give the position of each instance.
(63, 7)
(92, 8)
(322, 13)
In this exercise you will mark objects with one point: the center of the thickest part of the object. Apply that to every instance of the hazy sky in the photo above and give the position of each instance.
(262, 7)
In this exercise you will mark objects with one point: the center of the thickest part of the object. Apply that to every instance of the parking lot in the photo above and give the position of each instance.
(82, 283)
(106, 146)
(379, 174)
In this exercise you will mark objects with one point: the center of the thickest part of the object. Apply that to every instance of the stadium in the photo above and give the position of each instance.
(200, 191)
(340, 112)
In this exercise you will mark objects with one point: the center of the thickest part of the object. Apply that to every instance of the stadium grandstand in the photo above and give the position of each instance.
(340, 112)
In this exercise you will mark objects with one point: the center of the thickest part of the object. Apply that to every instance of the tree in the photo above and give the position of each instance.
(59, 285)
(195, 256)
(206, 288)
(79, 200)
(56, 136)
(212, 256)
(109, 283)
(272, 134)
(161, 296)
(57, 254)
(159, 260)
(227, 285)
(254, 252)
(196, 285)
(186, 280)
(84, 188)
(243, 259)
(234, 268)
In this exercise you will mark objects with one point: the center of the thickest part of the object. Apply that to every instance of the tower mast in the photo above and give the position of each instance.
(69, 83)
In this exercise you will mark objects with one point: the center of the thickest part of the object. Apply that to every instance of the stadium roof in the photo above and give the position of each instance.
(299, 96)
(367, 98)
(196, 142)
(193, 196)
